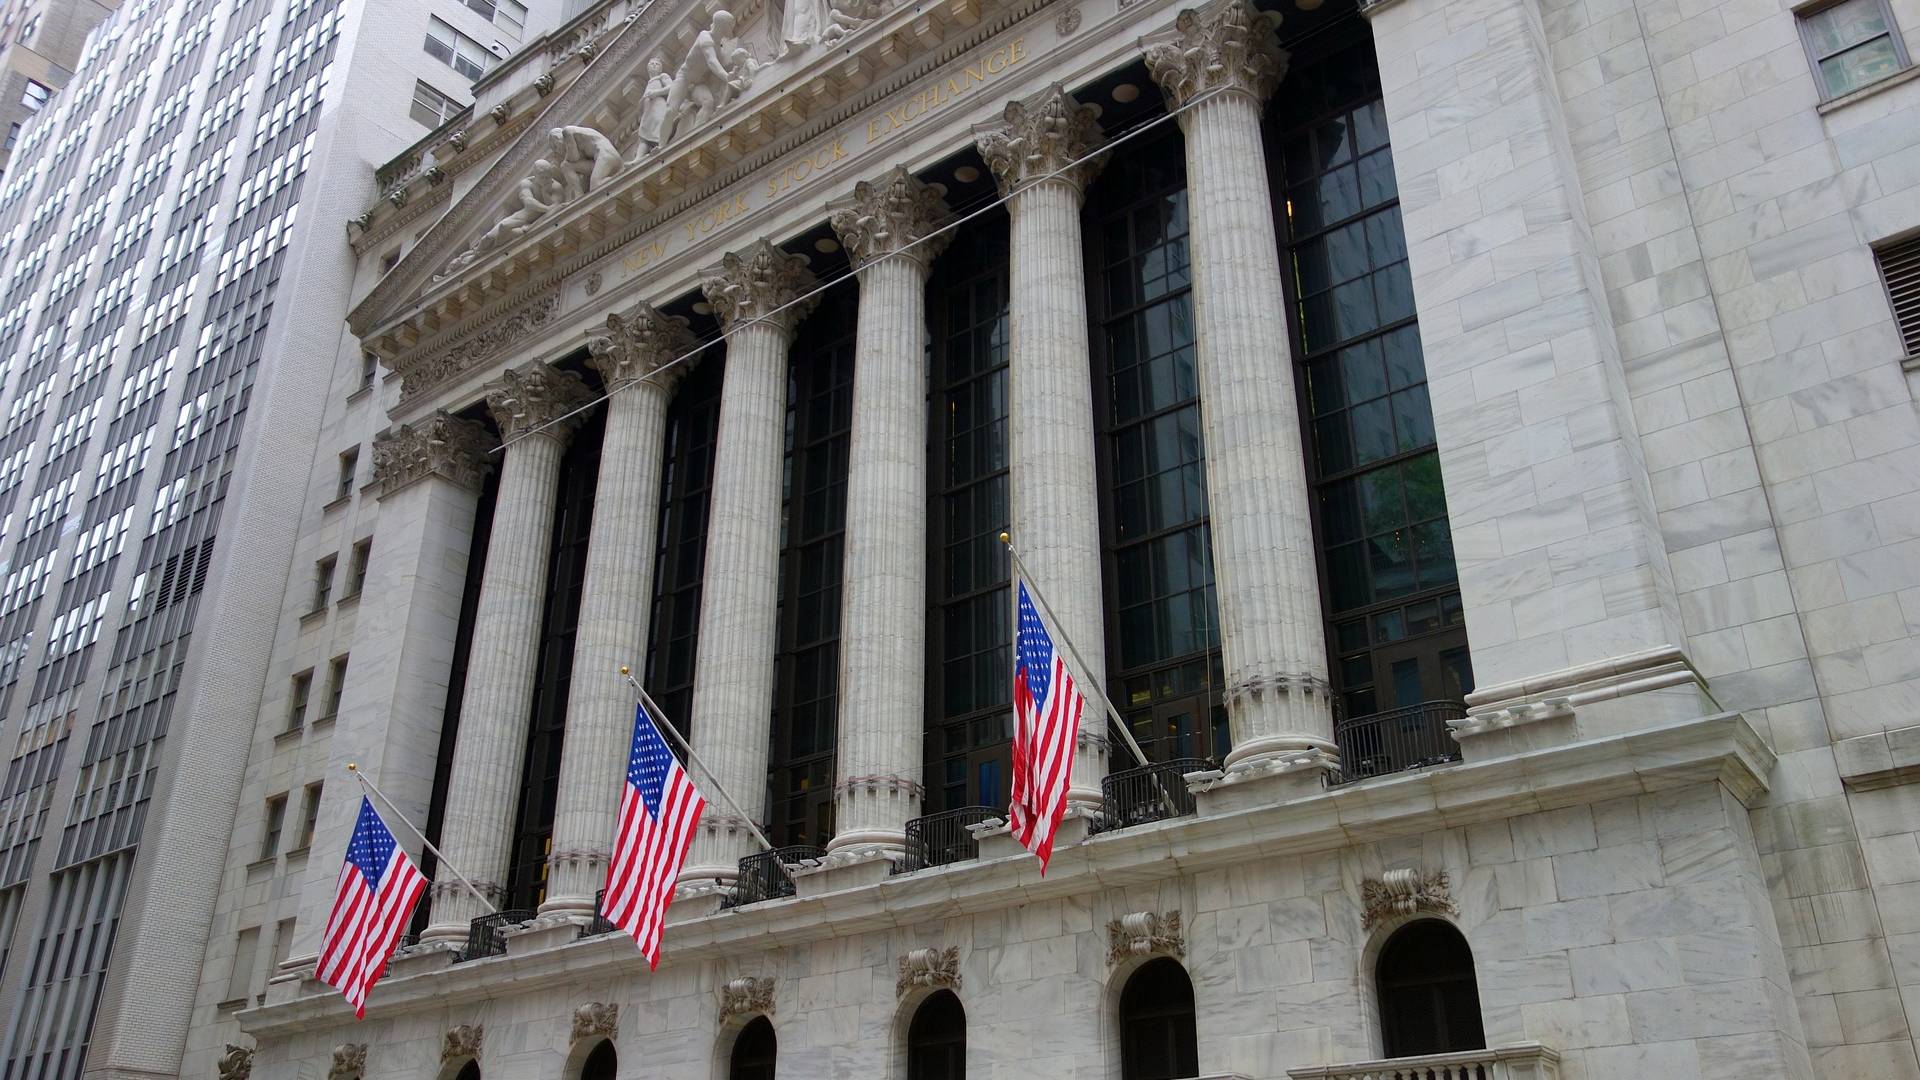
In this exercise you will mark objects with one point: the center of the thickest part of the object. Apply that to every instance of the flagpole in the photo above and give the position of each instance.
(441, 860)
(662, 721)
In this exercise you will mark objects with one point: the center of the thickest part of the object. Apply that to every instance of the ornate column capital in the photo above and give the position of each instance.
(1039, 137)
(637, 343)
(1227, 46)
(529, 398)
(442, 445)
(894, 213)
(756, 284)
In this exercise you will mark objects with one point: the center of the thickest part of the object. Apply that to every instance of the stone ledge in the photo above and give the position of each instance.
(1520, 1061)
(1721, 748)
(1881, 760)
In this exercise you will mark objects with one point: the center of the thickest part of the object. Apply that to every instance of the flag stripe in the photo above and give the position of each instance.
(1047, 710)
(378, 889)
(659, 809)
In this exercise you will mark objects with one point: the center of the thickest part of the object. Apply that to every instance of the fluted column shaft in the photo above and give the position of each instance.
(1054, 501)
(476, 834)
(734, 666)
(614, 602)
(883, 637)
(1224, 60)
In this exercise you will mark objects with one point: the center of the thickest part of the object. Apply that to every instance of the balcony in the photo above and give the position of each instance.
(1413, 737)
(764, 877)
(1149, 793)
(600, 923)
(939, 839)
(484, 937)
(1521, 1061)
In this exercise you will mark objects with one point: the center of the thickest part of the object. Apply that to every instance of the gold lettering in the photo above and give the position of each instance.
(1019, 50)
(996, 61)
(973, 75)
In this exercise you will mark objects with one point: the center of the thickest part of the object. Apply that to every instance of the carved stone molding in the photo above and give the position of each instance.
(880, 782)
(236, 1063)
(1223, 46)
(930, 968)
(1145, 933)
(535, 397)
(1043, 137)
(425, 371)
(745, 997)
(1404, 892)
(761, 282)
(462, 1043)
(895, 213)
(1068, 22)
(349, 1062)
(596, 1020)
(441, 445)
(637, 343)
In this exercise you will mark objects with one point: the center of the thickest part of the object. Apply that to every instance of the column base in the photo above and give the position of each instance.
(446, 934)
(1262, 781)
(847, 868)
(567, 907)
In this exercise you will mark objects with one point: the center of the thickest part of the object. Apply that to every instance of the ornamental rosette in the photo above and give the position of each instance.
(1046, 136)
(898, 212)
(637, 343)
(1225, 46)
(762, 282)
(535, 398)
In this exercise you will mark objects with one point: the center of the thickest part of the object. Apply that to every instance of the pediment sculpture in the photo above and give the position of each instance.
(716, 69)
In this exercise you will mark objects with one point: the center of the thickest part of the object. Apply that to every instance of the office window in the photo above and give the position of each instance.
(457, 50)
(1429, 1000)
(282, 942)
(1900, 270)
(276, 821)
(369, 370)
(432, 108)
(240, 978)
(297, 707)
(1851, 43)
(13, 134)
(36, 96)
(336, 685)
(349, 463)
(309, 817)
(357, 567)
(323, 582)
(510, 14)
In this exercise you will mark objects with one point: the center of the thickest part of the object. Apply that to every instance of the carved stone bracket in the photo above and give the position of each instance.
(349, 1062)
(929, 968)
(1257, 684)
(1223, 46)
(637, 343)
(596, 1020)
(535, 397)
(745, 997)
(1043, 137)
(421, 373)
(236, 1063)
(762, 282)
(1404, 892)
(896, 213)
(462, 1043)
(441, 445)
(1145, 933)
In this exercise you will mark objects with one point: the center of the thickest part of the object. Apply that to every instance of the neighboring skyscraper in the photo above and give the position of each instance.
(174, 262)
(40, 43)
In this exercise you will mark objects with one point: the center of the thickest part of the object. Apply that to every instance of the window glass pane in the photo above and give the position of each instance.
(1372, 431)
(1859, 66)
(1842, 25)
(1406, 682)
(1389, 566)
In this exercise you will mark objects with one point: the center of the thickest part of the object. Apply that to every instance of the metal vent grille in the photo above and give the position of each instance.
(1900, 269)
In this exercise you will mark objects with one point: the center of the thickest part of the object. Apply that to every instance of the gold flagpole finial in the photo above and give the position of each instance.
(625, 670)
(351, 767)
(1006, 538)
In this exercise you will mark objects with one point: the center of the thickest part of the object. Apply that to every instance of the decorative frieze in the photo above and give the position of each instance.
(746, 997)
(637, 343)
(421, 373)
(762, 282)
(1145, 933)
(1222, 47)
(896, 213)
(1403, 892)
(462, 1043)
(349, 1062)
(236, 1063)
(536, 397)
(929, 969)
(596, 1020)
(441, 445)
(1048, 136)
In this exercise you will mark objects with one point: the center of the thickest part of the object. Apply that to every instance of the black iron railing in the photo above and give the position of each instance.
(939, 839)
(483, 934)
(600, 924)
(1397, 740)
(762, 877)
(1149, 793)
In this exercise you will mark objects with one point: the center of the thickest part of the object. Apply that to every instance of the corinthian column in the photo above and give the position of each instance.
(477, 834)
(614, 598)
(1224, 62)
(1035, 154)
(753, 293)
(883, 640)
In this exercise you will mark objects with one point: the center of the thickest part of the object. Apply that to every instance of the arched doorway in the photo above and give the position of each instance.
(937, 1039)
(1429, 1001)
(601, 1064)
(469, 1071)
(754, 1052)
(1157, 1038)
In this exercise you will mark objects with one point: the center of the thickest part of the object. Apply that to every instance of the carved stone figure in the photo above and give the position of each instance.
(929, 968)
(596, 1020)
(541, 191)
(236, 1063)
(349, 1062)
(1145, 933)
(440, 445)
(1227, 46)
(803, 23)
(716, 67)
(745, 997)
(462, 1043)
(585, 158)
(1405, 892)
(846, 16)
(653, 109)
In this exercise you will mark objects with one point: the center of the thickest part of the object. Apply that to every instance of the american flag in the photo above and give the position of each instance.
(1046, 722)
(377, 891)
(657, 817)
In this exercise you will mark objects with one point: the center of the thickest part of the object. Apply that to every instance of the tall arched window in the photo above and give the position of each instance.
(937, 1039)
(601, 1064)
(1157, 1039)
(1429, 1002)
(753, 1052)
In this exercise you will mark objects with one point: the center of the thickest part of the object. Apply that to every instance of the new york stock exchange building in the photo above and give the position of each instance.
(1463, 438)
